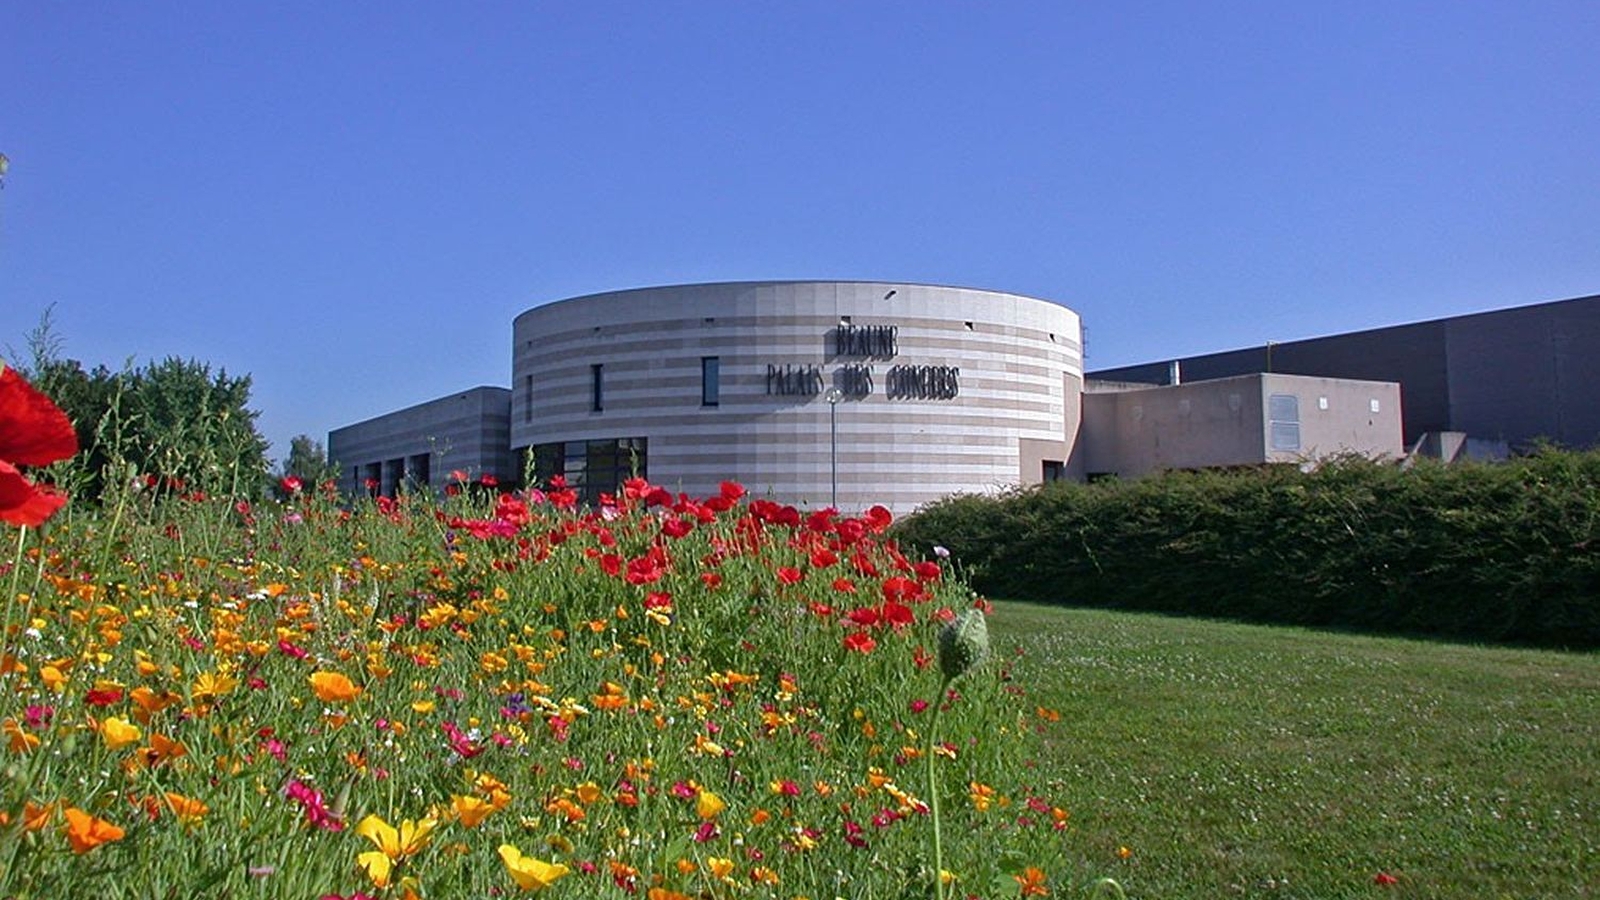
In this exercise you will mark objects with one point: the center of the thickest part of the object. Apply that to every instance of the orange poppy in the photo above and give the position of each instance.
(333, 687)
(85, 832)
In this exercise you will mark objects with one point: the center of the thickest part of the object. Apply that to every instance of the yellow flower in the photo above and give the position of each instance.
(471, 810)
(333, 687)
(708, 805)
(119, 733)
(211, 685)
(53, 678)
(720, 867)
(707, 747)
(982, 795)
(393, 845)
(529, 873)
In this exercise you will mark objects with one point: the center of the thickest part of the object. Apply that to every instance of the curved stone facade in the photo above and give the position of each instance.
(938, 389)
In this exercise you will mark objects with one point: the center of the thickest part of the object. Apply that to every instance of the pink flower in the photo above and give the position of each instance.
(317, 814)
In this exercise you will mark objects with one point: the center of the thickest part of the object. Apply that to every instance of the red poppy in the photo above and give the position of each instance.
(860, 642)
(896, 614)
(33, 432)
(879, 518)
(863, 617)
(25, 503)
(900, 588)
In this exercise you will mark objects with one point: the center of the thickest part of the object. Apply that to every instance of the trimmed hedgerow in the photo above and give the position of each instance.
(1501, 552)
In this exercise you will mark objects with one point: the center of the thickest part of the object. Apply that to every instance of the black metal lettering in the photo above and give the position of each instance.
(923, 383)
(875, 341)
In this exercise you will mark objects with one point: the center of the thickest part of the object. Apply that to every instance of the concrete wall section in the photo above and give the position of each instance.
(1212, 423)
(1239, 421)
(1336, 415)
(467, 431)
(969, 377)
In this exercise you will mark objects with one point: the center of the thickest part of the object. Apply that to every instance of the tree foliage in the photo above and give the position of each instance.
(307, 461)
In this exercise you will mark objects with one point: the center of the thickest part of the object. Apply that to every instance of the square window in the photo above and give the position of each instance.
(1286, 435)
(1283, 408)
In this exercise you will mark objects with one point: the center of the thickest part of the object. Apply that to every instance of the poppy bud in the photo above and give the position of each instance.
(963, 643)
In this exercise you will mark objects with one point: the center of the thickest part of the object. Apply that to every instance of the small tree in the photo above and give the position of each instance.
(307, 461)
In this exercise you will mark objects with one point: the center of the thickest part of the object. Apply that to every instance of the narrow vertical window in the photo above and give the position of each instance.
(527, 398)
(1283, 421)
(710, 380)
(597, 379)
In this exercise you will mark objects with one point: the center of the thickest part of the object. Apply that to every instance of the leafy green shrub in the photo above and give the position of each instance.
(1504, 552)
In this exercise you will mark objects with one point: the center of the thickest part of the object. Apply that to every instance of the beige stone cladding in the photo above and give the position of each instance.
(940, 389)
(1244, 420)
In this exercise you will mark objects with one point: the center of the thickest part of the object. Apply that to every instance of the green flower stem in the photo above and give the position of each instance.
(933, 791)
(11, 594)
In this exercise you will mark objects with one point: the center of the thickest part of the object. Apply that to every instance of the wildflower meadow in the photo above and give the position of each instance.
(486, 694)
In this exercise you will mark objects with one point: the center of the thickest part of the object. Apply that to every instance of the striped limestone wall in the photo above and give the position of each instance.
(468, 431)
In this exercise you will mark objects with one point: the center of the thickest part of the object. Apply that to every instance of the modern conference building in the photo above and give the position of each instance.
(840, 393)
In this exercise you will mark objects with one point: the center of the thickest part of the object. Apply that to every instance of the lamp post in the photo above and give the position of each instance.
(833, 396)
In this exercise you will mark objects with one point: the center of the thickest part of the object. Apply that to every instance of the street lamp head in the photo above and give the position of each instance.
(833, 395)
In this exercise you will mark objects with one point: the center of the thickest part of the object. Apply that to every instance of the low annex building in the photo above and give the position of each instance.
(834, 393)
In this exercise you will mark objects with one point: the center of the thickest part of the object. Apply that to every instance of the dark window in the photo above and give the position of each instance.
(1054, 470)
(592, 468)
(394, 477)
(710, 380)
(597, 378)
(417, 474)
(527, 398)
(372, 478)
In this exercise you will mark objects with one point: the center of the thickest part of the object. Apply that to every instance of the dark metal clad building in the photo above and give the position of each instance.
(1514, 375)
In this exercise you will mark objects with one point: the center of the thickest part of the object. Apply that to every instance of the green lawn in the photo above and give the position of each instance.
(1247, 761)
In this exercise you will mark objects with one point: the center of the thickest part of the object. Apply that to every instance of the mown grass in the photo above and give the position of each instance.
(1249, 761)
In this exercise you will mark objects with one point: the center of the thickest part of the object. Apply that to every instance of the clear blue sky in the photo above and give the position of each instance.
(350, 201)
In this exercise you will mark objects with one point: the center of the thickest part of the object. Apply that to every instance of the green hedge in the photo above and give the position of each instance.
(1501, 552)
